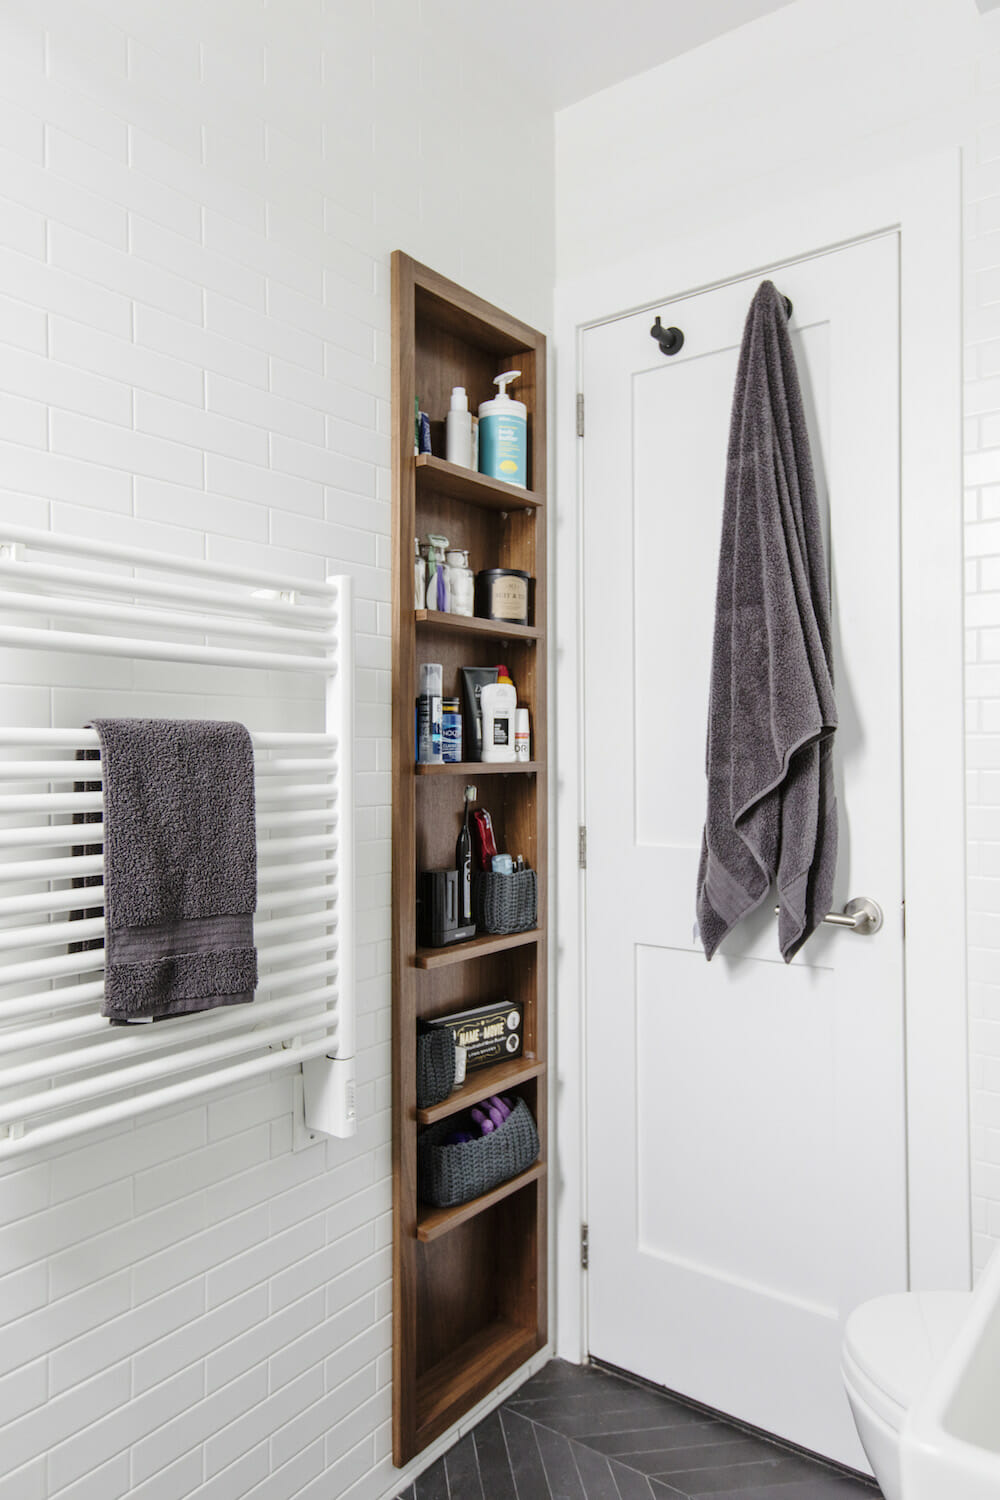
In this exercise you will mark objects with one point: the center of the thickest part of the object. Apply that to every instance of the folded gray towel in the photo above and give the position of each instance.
(772, 812)
(180, 866)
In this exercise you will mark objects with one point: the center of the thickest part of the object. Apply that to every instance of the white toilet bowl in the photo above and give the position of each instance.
(891, 1346)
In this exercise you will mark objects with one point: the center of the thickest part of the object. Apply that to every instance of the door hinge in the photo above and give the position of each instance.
(579, 414)
(585, 1246)
(582, 848)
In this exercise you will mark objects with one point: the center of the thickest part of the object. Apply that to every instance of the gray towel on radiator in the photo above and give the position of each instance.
(772, 812)
(180, 866)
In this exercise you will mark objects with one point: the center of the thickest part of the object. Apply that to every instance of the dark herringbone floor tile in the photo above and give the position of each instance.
(494, 1461)
(561, 1472)
(577, 1432)
(525, 1459)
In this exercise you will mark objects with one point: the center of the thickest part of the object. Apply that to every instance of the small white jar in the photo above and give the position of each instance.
(461, 582)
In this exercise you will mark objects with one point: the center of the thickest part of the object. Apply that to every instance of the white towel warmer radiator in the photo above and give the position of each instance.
(63, 1069)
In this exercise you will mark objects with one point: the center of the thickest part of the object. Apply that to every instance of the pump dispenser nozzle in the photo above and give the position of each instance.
(502, 381)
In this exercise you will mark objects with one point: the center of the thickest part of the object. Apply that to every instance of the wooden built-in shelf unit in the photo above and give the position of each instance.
(469, 1283)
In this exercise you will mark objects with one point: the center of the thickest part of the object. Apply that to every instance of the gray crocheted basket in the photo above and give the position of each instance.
(505, 903)
(447, 1175)
(435, 1065)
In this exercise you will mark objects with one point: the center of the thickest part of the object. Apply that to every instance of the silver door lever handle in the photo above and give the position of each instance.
(862, 915)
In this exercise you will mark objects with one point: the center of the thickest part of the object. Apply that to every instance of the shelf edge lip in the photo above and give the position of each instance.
(440, 619)
(481, 485)
(462, 1212)
(438, 958)
(482, 768)
(532, 1069)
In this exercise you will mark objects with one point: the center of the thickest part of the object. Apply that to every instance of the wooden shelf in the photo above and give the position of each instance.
(432, 1222)
(497, 630)
(481, 1083)
(471, 768)
(450, 1387)
(477, 947)
(469, 1284)
(459, 483)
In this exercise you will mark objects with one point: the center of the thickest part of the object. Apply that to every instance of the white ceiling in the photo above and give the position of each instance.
(566, 49)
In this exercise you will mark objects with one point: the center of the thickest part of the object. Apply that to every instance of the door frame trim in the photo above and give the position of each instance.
(922, 201)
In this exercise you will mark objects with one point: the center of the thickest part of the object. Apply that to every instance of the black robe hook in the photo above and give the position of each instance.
(670, 340)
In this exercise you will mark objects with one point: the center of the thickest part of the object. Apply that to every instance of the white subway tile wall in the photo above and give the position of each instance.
(197, 206)
(982, 619)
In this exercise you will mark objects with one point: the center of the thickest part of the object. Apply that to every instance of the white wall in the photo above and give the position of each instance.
(823, 91)
(197, 203)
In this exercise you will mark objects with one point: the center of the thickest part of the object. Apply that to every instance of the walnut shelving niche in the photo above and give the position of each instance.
(469, 1283)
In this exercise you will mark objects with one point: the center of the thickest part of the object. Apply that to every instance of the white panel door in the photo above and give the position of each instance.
(746, 1145)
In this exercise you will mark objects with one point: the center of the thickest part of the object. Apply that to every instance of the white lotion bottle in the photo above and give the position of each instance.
(458, 429)
(499, 705)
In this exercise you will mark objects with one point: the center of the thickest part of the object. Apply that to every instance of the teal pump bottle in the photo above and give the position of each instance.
(503, 434)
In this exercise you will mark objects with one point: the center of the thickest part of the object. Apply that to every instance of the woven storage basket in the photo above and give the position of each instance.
(505, 903)
(435, 1065)
(447, 1175)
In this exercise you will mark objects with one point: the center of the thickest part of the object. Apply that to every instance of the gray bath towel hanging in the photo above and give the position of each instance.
(180, 866)
(772, 812)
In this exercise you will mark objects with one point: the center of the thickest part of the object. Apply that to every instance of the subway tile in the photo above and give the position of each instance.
(184, 256)
(249, 1106)
(116, 1339)
(235, 1482)
(120, 271)
(313, 1422)
(316, 1195)
(330, 396)
(313, 1270)
(24, 1191)
(195, 508)
(200, 1338)
(200, 347)
(47, 380)
(44, 286)
(124, 362)
(67, 207)
(55, 476)
(22, 326)
(126, 1245)
(37, 1326)
(263, 1338)
(183, 425)
(179, 169)
(274, 1413)
(269, 1260)
(212, 1252)
(265, 410)
(264, 332)
(176, 1481)
(113, 179)
(203, 1422)
(25, 1483)
(77, 1411)
(289, 1482)
(49, 1232)
(262, 486)
(108, 1481)
(82, 438)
